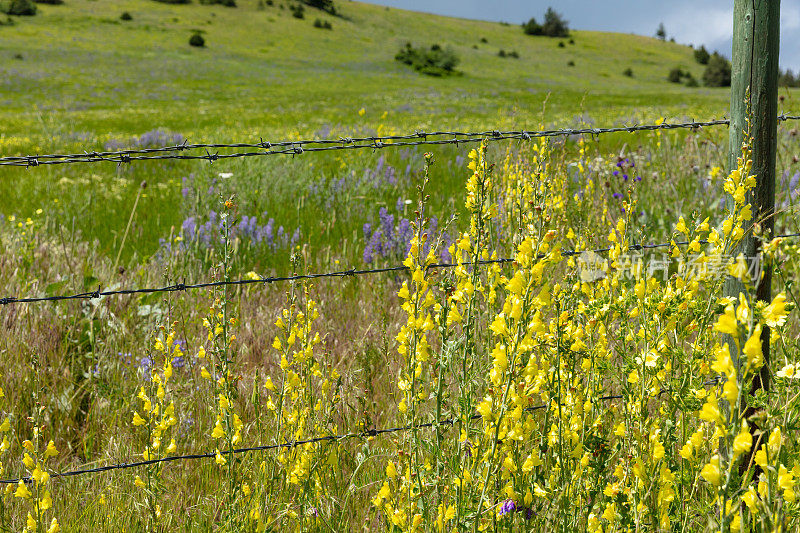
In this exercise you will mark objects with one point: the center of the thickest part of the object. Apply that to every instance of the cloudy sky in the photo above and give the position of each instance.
(708, 22)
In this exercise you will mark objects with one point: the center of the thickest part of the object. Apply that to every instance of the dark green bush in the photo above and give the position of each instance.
(718, 72)
(483, 40)
(532, 27)
(501, 53)
(561, 44)
(628, 72)
(788, 79)
(435, 61)
(675, 75)
(324, 5)
(514, 54)
(702, 56)
(323, 24)
(298, 11)
(174, 1)
(51, 2)
(197, 40)
(18, 7)
(691, 81)
(226, 3)
(570, 63)
(554, 25)
(125, 16)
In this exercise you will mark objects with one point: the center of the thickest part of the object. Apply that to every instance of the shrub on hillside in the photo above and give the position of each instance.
(628, 72)
(298, 11)
(324, 5)
(532, 27)
(435, 61)
(702, 56)
(18, 7)
(675, 75)
(125, 16)
(174, 1)
(322, 24)
(718, 72)
(554, 25)
(51, 2)
(226, 3)
(197, 40)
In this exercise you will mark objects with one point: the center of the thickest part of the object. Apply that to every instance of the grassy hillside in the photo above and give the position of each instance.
(85, 73)
(75, 77)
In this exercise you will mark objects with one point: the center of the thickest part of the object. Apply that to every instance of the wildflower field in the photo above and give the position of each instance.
(508, 378)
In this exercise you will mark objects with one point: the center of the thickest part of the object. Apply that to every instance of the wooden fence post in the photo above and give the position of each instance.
(754, 88)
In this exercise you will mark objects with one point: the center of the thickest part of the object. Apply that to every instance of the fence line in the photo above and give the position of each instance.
(285, 147)
(289, 445)
(294, 444)
(180, 287)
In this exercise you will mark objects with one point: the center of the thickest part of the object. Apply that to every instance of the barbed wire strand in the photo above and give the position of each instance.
(293, 148)
(180, 287)
(294, 444)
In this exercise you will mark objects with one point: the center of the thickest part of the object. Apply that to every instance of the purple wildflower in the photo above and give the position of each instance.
(507, 507)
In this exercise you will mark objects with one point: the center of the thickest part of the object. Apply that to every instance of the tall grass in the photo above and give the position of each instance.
(555, 392)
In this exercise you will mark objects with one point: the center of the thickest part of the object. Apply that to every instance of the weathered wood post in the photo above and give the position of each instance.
(754, 88)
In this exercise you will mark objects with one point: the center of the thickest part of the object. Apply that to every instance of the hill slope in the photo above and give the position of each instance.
(86, 74)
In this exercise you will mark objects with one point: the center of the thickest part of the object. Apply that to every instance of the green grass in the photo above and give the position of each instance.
(264, 72)
(86, 78)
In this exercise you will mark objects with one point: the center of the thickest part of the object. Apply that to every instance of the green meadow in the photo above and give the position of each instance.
(75, 77)
(553, 392)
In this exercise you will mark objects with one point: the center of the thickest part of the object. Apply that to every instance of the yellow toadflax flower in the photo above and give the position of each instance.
(712, 473)
(775, 313)
(727, 322)
(137, 419)
(22, 490)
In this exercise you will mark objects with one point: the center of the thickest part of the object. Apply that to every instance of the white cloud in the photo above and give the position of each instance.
(704, 25)
(790, 18)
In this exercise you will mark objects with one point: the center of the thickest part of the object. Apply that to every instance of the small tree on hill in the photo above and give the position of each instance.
(718, 72)
(532, 27)
(661, 32)
(702, 56)
(554, 24)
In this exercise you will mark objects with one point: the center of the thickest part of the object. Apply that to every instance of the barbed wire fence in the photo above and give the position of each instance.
(181, 287)
(298, 147)
(448, 422)
(178, 152)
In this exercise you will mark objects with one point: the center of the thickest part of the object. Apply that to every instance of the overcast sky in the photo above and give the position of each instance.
(708, 22)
